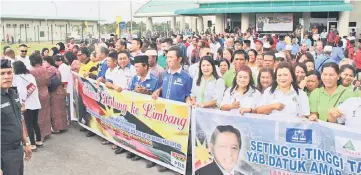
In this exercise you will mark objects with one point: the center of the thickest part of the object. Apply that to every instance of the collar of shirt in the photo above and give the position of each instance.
(289, 92)
(178, 71)
(223, 170)
(339, 90)
(127, 66)
(3, 91)
(147, 77)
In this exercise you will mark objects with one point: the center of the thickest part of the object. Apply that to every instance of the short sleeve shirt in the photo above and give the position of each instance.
(124, 76)
(321, 102)
(176, 86)
(247, 100)
(296, 105)
(208, 90)
(351, 109)
(150, 83)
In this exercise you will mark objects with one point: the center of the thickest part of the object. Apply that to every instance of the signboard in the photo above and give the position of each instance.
(122, 25)
(156, 130)
(226, 143)
(267, 22)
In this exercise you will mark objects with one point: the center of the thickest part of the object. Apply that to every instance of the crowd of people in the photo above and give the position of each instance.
(276, 75)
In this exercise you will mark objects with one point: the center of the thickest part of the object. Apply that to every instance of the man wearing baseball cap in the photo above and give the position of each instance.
(154, 67)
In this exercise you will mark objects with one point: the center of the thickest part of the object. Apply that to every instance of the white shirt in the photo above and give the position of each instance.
(11, 60)
(124, 77)
(22, 82)
(351, 109)
(66, 76)
(247, 100)
(295, 105)
(26, 61)
(344, 43)
(194, 70)
(189, 53)
(212, 89)
(214, 49)
(324, 35)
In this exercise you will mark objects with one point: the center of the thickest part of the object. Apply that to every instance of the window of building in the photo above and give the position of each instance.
(8, 25)
(42, 34)
(352, 24)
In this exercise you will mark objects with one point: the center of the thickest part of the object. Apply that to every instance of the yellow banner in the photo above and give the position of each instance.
(156, 130)
(118, 19)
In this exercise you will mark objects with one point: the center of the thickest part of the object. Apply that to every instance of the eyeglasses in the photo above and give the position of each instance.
(24, 51)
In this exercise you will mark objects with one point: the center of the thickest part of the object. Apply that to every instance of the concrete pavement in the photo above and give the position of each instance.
(72, 153)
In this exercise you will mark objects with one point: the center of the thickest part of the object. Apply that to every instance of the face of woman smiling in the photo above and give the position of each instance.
(300, 73)
(243, 79)
(329, 77)
(347, 77)
(284, 78)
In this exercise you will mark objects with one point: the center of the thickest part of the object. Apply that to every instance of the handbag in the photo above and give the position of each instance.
(30, 88)
(54, 83)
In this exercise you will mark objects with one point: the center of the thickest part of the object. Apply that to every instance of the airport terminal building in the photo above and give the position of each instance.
(276, 16)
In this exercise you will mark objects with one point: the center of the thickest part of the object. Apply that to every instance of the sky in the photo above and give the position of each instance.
(108, 9)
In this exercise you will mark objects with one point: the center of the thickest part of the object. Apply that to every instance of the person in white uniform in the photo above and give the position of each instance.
(284, 98)
(194, 68)
(348, 113)
(243, 96)
(208, 87)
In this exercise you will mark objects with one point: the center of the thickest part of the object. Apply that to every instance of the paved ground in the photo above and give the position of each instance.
(72, 153)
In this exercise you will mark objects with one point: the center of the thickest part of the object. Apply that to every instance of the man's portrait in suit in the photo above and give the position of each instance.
(225, 145)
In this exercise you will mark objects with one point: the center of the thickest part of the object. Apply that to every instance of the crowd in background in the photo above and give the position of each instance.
(275, 75)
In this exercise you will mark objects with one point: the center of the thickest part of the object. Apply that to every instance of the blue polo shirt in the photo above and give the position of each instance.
(280, 46)
(176, 86)
(102, 69)
(151, 82)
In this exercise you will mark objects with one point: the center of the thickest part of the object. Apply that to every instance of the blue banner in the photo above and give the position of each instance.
(228, 143)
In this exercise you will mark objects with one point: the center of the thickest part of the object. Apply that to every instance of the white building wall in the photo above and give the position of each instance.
(355, 15)
(41, 29)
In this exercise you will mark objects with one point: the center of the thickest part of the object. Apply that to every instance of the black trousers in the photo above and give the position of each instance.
(31, 121)
(12, 161)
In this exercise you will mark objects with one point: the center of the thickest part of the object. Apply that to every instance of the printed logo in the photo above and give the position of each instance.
(147, 85)
(348, 146)
(295, 135)
(178, 160)
(294, 99)
(4, 105)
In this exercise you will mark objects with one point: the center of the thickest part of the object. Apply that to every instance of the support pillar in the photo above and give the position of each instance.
(200, 24)
(182, 23)
(244, 22)
(306, 21)
(344, 18)
(173, 23)
(193, 24)
(220, 23)
(149, 24)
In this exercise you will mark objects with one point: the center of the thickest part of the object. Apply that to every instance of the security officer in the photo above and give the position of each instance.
(12, 126)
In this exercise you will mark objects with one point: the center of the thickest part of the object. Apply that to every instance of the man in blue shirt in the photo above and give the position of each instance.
(101, 55)
(144, 82)
(180, 44)
(337, 53)
(177, 83)
(324, 58)
(295, 47)
(280, 46)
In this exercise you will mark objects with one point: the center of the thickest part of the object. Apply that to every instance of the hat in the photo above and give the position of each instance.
(258, 41)
(327, 49)
(247, 41)
(277, 55)
(5, 63)
(151, 53)
(288, 47)
(141, 59)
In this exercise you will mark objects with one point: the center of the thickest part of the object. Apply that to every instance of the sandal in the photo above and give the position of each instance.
(39, 143)
(33, 148)
(105, 142)
(114, 147)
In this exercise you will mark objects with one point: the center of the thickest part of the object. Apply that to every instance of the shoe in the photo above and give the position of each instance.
(136, 158)
(162, 169)
(39, 144)
(55, 132)
(90, 134)
(33, 148)
(82, 129)
(105, 142)
(150, 164)
(114, 147)
(130, 155)
(119, 151)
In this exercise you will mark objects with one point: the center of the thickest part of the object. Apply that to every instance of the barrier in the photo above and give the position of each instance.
(156, 130)
(271, 146)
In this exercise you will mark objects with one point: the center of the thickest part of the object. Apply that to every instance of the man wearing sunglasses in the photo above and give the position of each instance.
(23, 50)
